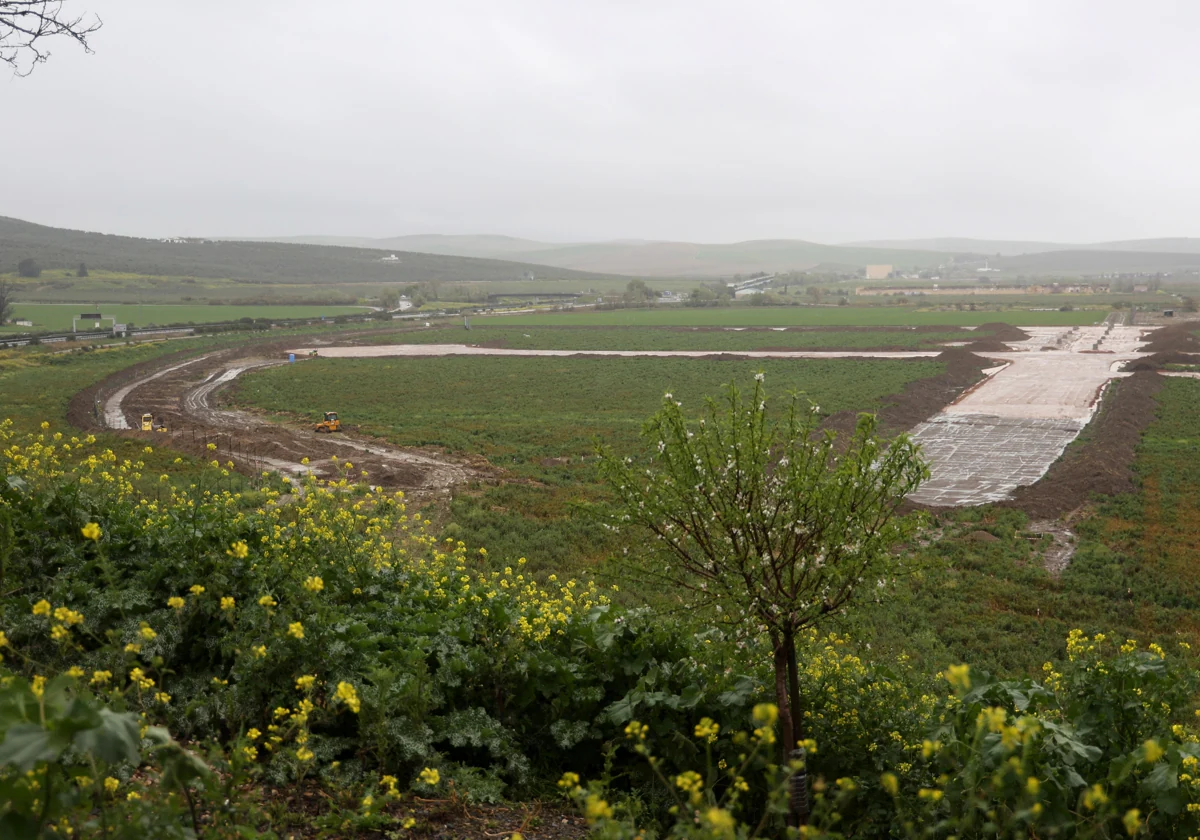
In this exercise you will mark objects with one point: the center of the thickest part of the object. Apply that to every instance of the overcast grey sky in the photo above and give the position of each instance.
(569, 120)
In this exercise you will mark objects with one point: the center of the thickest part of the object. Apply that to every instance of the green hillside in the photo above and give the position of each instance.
(1012, 248)
(254, 262)
(1096, 262)
(959, 244)
(654, 259)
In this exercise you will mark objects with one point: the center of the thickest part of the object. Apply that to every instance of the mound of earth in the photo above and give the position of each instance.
(1159, 361)
(1003, 332)
(999, 336)
(1177, 338)
(1101, 460)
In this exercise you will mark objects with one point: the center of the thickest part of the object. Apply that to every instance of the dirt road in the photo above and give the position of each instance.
(183, 395)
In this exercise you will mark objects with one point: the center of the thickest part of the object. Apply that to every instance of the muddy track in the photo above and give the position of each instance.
(183, 393)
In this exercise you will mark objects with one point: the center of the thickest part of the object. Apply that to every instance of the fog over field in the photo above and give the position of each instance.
(560, 122)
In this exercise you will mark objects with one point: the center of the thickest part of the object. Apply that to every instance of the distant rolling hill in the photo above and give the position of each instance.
(690, 259)
(1175, 245)
(988, 247)
(1013, 248)
(654, 259)
(332, 260)
(482, 246)
(1099, 261)
(252, 262)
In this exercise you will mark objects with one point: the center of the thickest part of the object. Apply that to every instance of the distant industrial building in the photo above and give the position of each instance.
(878, 272)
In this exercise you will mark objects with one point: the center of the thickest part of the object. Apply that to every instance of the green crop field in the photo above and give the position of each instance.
(517, 411)
(58, 316)
(538, 419)
(811, 316)
(650, 338)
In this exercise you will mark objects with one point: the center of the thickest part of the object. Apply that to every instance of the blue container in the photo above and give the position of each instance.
(291, 358)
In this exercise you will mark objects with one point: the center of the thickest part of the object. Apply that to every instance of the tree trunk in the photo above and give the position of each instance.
(798, 804)
(783, 699)
(789, 642)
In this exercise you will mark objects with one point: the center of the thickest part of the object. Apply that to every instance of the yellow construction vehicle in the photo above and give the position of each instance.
(331, 423)
(147, 422)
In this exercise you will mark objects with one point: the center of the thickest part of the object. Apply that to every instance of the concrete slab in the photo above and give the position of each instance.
(1052, 385)
(1008, 431)
(979, 458)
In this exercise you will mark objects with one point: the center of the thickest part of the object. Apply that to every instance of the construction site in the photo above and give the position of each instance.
(995, 424)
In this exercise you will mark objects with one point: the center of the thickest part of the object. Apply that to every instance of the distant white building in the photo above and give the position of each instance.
(741, 293)
(390, 258)
(23, 322)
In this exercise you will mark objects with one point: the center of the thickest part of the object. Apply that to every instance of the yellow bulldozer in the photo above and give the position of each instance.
(149, 424)
(331, 423)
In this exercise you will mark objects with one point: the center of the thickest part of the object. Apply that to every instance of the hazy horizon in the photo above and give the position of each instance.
(686, 122)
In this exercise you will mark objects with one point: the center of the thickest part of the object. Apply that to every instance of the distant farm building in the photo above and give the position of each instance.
(743, 293)
(878, 272)
(1043, 289)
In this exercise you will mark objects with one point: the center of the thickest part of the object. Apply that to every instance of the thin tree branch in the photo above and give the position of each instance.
(26, 26)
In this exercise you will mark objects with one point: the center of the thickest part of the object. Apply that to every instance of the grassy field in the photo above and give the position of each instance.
(651, 338)
(811, 316)
(58, 316)
(518, 412)
(984, 597)
(538, 420)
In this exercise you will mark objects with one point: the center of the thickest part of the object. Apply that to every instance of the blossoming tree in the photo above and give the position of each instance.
(771, 521)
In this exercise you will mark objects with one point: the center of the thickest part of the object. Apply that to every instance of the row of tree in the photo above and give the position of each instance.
(32, 269)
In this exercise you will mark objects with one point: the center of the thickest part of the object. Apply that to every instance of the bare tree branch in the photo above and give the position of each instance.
(27, 25)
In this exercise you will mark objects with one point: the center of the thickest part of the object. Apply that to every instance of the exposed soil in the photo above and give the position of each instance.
(1170, 345)
(184, 397)
(1057, 555)
(1159, 361)
(434, 819)
(534, 821)
(999, 336)
(922, 398)
(1004, 332)
(1101, 460)
(1177, 338)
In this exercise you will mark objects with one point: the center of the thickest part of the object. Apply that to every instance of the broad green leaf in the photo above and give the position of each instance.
(116, 739)
(26, 744)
